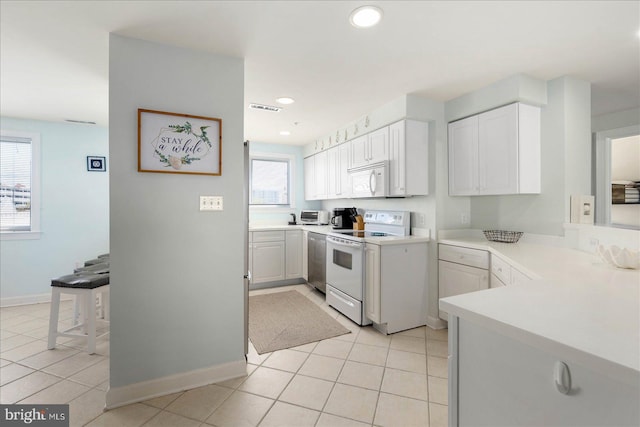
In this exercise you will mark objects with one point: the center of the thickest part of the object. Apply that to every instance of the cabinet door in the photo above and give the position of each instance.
(372, 282)
(518, 277)
(502, 381)
(321, 165)
(333, 166)
(463, 157)
(456, 279)
(378, 142)
(498, 151)
(305, 255)
(268, 261)
(342, 185)
(359, 152)
(294, 254)
(309, 178)
(496, 282)
(397, 159)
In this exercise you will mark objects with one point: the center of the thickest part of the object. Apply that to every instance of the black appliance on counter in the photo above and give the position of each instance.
(343, 218)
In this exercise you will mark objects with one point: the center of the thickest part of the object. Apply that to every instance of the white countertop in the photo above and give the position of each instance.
(326, 229)
(579, 307)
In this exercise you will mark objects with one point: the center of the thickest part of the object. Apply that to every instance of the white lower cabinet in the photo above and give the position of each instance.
(372, 282)
(305, 255)
(396, 286)
(501, 381)
(461, 270)
(294, 255)
(503, 273)
(276, 255)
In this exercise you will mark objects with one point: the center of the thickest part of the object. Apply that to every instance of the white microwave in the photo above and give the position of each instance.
(370, 180)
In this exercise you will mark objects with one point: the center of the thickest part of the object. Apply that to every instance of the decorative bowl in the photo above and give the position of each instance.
(502, 236)
(620, 257)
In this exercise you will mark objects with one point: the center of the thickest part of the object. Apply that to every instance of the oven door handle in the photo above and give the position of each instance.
(344, 301)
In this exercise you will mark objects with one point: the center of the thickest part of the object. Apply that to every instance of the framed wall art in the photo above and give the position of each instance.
(179, 143)
(96, 164)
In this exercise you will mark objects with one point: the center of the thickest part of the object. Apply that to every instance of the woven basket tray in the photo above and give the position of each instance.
(502, 236)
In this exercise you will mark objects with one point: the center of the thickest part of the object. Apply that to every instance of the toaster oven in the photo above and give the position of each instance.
(314, 217)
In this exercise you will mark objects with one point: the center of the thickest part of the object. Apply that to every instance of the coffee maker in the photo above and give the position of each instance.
(343, 218)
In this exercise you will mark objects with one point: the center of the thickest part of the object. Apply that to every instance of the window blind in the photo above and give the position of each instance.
(15, 183)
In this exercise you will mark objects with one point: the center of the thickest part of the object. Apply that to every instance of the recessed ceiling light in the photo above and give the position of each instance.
(285, 100)
(365, 16)
(285, 133)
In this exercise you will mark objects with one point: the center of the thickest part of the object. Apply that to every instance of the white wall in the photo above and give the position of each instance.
(74, 214)
(176, 273)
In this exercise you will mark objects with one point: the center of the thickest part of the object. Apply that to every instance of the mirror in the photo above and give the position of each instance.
(617, 177)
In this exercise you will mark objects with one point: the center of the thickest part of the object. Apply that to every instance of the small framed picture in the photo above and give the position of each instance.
(96, 164)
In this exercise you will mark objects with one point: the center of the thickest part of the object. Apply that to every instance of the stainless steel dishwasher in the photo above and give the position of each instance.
(317, 260)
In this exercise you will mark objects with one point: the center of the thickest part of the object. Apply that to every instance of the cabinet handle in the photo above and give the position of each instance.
(562, 377)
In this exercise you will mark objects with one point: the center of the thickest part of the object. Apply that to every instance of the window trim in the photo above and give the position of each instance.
(292, 187)
(35, 231)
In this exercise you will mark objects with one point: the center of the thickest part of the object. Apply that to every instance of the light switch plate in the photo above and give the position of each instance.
(210, 203)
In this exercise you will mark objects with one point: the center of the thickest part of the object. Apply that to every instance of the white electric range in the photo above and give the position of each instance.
(346, 261)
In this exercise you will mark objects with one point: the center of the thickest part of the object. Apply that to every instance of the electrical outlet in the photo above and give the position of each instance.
(464, 218)
(210, 203)
(421, 219)
(594, 242)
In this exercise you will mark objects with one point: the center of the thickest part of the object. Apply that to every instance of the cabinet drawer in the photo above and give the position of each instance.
(268, 236)
(466, 256)
(501, 269)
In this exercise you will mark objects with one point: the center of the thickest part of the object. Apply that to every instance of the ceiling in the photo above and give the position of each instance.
(55, 54)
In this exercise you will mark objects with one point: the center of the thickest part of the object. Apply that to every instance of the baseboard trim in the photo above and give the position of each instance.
(29, 299)
(436, 323)
(138, 392)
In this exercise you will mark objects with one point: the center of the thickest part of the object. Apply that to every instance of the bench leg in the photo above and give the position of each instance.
(90, 309)
(53, 318)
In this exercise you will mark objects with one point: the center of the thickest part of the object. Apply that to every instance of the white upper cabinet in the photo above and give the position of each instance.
(338, 177)
(310, 178)
(496, 152)
(370, 148)
(321, 172)
(408, 158)
(463, 157)
(359, 151)
(315, 176)
(378, 145)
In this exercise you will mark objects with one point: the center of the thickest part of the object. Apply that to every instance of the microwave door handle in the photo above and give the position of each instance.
(372, 182)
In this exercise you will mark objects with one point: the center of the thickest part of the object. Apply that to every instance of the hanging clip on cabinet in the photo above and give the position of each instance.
(496, 152)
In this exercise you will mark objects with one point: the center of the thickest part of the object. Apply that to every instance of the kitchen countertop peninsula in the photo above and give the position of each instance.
(326, 229)
(577, 306)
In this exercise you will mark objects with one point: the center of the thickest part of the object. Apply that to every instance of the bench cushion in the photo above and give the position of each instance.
(81, 281)
(95, 269)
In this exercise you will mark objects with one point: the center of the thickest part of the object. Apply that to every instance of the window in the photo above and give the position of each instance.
(19, 182)
(270, 181)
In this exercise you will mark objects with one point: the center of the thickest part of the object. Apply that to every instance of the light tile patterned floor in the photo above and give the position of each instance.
(359, 379)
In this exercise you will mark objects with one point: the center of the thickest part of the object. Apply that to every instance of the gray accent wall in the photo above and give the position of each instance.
(176, 273)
